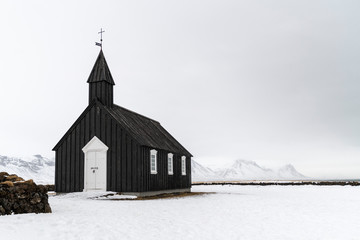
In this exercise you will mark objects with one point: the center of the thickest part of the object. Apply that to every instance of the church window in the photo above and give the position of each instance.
(183, 165)
(153, 161)
(170, 164)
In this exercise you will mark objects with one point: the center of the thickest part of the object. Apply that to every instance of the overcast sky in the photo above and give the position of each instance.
(271, 81)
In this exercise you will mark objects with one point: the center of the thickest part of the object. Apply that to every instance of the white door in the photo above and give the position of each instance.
(96, 170)
(100, 170)
(95, 165)
(91, 170)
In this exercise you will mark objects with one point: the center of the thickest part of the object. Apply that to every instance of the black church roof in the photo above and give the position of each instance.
(100, 71)
(146, 131)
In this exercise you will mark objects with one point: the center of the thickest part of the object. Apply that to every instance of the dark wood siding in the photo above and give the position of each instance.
(162, 180)
(103, 91)
(69, 166)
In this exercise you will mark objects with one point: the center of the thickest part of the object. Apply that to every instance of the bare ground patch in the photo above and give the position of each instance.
(120, 197)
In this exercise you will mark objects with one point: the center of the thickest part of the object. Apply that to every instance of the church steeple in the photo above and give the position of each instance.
(101, 82)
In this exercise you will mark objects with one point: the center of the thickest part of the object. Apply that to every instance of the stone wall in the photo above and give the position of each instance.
(19, 196)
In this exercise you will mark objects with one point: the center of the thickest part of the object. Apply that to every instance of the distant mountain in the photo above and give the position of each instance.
(200, 173)
(244, 170)
(37, 167)
(289, 172)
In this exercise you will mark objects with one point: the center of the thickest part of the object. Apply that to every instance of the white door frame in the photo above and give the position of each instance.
(94, 145)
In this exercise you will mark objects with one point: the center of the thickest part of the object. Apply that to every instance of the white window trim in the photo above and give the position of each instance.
(171, 167)
(183, 165)
(153, 152)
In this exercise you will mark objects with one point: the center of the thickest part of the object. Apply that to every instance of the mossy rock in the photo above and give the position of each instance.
(3, 175)
(7, 183)
(14, 178)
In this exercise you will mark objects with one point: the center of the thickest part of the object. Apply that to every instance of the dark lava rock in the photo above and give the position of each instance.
(19, 196)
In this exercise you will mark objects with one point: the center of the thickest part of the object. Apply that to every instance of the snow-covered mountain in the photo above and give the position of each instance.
(200, 173)
(37, 167)
(244, 170)
(289, 172)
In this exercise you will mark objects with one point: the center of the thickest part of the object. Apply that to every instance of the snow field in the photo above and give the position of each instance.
(232, 212)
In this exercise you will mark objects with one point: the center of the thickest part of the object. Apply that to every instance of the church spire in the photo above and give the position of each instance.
(101, 82)
(100, 71)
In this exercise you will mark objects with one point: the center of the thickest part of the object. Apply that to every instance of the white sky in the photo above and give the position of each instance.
(271, 81)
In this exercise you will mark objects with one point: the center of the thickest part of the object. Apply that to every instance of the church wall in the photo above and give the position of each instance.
(162, 180)
(122, 160)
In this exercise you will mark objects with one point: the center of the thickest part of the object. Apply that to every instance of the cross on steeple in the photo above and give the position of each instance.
(100, 44)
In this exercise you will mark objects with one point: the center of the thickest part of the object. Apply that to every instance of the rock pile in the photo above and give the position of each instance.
(19, 196)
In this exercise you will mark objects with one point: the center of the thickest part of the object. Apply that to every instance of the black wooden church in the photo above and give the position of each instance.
(112, 148)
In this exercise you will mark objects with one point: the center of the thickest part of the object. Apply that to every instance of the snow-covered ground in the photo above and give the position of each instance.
(232, 212)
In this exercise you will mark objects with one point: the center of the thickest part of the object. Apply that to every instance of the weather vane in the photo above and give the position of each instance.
(100, 44)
